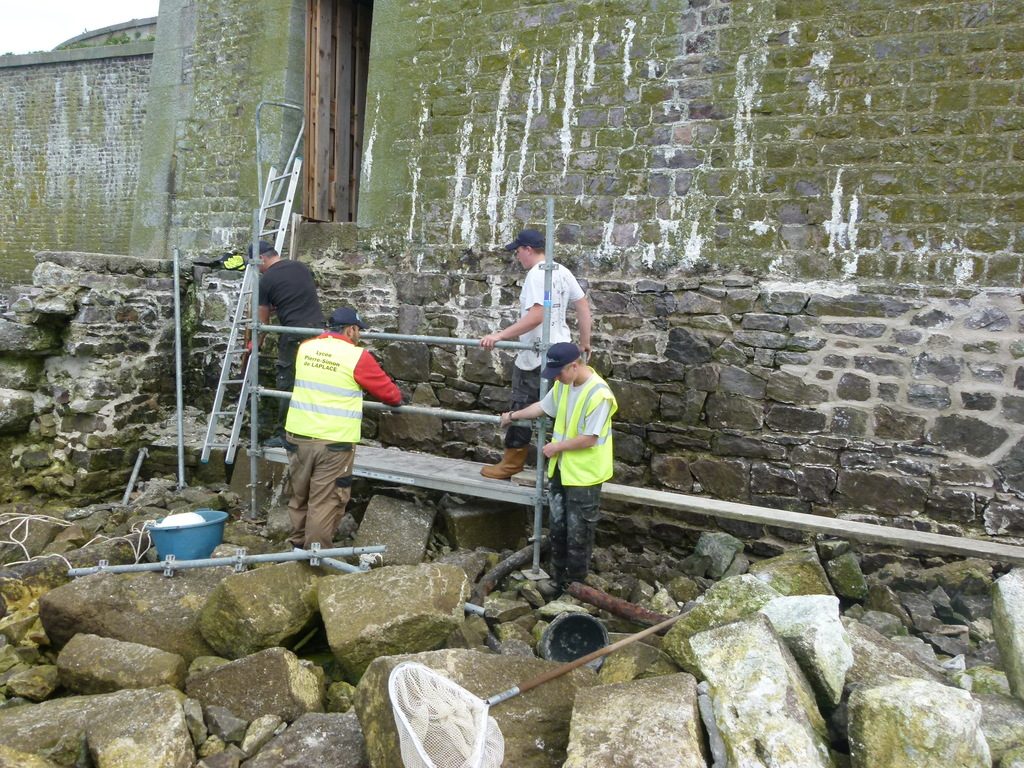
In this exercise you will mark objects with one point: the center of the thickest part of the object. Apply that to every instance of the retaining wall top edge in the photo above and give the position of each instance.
(143, 48)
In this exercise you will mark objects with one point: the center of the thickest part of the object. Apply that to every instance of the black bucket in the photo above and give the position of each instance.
(571, 636)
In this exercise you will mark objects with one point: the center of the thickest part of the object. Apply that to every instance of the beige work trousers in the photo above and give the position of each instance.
(321, 478)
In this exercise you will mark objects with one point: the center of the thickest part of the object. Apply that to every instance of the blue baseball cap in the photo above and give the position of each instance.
(559, 356)
(528, 237)
(344, 316)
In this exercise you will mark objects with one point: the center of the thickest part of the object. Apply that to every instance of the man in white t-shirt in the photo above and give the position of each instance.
(565, 290)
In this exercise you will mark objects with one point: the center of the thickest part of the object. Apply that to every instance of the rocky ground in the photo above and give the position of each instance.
(796, 654)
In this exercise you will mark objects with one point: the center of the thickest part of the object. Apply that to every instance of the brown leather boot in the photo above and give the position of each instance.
(511, 463)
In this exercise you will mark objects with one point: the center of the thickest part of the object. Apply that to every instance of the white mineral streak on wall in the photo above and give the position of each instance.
(552, 101)
(627, 45)
(746, 87)
(498, 142)
(842, 233)
(515, 181)
(368, 151)
(964, 270)
(816, 94)
(458, 201)
(588, 81)
(414, 173)
(569, 106)
(470, 214)
(691, 255)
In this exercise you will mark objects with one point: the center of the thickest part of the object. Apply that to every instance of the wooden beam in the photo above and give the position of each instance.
(912, 541)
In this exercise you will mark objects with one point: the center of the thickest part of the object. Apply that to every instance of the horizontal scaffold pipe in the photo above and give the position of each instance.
(453, 340)
(912, 541)
(441, 413)
(238, 560)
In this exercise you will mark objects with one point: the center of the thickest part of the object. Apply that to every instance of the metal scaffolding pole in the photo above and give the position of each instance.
(238, 561)
(252, 371)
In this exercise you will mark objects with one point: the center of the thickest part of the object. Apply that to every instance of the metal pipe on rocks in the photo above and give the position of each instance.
(253, 368)
(143, 453)
(239, 560)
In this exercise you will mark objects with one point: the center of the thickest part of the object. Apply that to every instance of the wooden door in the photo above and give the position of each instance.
(337, 56)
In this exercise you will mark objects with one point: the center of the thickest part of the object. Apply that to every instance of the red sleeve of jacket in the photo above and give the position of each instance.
(371, 377)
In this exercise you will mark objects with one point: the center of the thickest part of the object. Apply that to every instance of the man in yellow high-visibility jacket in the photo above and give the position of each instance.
(324, 423)
(579, 456)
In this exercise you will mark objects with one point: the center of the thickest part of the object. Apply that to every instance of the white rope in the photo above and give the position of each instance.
(17, 536)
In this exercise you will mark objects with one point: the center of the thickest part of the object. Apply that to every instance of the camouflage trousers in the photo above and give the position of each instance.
(573, 514)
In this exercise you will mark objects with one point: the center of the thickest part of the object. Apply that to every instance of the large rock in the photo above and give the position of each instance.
(763, 705)
(1002, 722)
(730, 599)
(396, 609)
(916, 724)
(635, 661)
(662, 729)
(271, 682)
(811, 629)
(13, 758)
(334, 740)
(126, 729)
(259, 609)
(94, 664)
(146, 608)
(1008, 625)
(535, 725)
(877, 660)
(402, 526)
(796, 572)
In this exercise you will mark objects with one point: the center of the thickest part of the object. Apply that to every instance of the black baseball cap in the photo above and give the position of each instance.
(559, 356)
(344, 316)
(265, 247)
(528, 237)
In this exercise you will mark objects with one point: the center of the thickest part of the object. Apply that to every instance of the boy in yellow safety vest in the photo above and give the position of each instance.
(579, 456)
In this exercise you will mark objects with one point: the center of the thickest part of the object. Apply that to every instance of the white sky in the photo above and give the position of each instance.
(27, 26)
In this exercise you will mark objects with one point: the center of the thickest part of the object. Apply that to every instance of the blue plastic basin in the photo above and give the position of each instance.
(190, 542)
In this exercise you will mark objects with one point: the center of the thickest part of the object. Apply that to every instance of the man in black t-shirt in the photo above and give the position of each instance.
(287, 289)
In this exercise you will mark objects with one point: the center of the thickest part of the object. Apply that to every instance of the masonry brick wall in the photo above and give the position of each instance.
(838, 139)
(69, 152)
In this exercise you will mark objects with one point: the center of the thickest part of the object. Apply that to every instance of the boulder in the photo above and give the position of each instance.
(811, 629)
(146, 727)
(258, 609)
(396, 609)
(146, 608)
(662, 729)
(33, 533)
(142, 728)
(796, 572)
(13, 758)
(720, 548)
(1008, 625)
(728, 600)
(94, 664)
(916, 724)
(535, 725)
(636, 661)
(1013, 759)
(1002, 722)
(470, 524)
(334, 740)
(271, 682)
(36, 683)
(402, 526)
(877, 660)
(763, 705)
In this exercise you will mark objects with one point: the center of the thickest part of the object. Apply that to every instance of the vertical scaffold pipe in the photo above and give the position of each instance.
(254, 366)
(545, 341)
(179, 405)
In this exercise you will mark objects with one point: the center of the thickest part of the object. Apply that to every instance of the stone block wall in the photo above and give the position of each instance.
(819, 139)
(86, 373)
(69, 151)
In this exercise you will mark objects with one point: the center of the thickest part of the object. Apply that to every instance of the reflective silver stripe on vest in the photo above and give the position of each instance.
(345, 414)
(328, 388)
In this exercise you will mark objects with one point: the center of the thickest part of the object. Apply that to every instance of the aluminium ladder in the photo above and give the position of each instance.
(272, 223)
